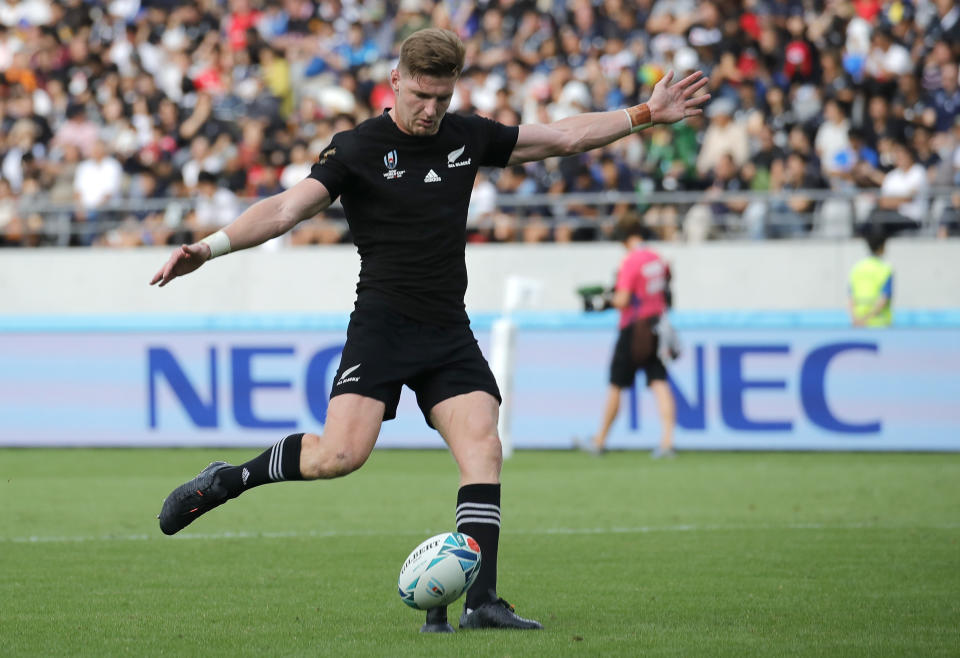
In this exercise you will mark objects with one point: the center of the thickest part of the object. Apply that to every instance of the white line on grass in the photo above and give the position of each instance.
(311, 534)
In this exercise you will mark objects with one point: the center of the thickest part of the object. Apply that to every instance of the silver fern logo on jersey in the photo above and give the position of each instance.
(390, 162)
(453, 155)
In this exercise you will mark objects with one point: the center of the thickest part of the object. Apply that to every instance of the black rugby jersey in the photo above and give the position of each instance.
(405, 198)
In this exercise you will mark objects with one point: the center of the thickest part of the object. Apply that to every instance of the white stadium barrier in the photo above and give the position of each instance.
(244, 350)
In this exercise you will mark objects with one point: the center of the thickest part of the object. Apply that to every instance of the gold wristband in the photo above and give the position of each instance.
(640, 117)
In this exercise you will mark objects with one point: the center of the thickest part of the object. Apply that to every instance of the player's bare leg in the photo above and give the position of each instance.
(468, 423)
(351, 431)
(667, 407)
(353, 424)
(610, 410)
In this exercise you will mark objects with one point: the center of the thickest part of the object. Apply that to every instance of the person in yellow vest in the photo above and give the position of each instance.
(871, 286)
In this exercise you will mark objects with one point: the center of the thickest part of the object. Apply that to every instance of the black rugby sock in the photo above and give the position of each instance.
(478, 515)
(279, 463)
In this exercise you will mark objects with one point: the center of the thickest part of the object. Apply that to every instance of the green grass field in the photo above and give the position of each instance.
(709, 554)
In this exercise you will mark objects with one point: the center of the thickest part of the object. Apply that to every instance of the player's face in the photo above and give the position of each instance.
(421, 101)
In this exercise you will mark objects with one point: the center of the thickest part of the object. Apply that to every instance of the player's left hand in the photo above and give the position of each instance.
(670, 103)
(184, 260)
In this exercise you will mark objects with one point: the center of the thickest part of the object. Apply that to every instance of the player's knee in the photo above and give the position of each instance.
(481, 459)
(343, 462)
(330, 459)
(334, 464)
(489, 450)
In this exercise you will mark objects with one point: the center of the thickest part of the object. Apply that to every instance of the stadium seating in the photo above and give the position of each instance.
(142, 96)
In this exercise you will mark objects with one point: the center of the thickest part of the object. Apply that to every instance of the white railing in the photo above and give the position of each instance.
(723, 215)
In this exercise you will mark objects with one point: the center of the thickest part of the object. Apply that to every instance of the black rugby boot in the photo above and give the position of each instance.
(496, 614)
(191, 499)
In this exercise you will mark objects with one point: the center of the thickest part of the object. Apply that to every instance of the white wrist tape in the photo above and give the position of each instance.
(219, 244)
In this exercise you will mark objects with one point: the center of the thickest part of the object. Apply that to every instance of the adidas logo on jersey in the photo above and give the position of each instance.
(431, 177)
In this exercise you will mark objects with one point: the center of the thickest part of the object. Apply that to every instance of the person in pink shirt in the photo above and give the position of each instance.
(642, 293)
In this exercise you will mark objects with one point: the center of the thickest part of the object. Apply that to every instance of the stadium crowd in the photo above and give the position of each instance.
(141, 122)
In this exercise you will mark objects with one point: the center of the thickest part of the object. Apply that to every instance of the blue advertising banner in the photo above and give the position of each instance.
(739, 386)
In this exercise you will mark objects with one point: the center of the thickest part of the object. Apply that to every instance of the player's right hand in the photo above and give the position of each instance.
(182, 261)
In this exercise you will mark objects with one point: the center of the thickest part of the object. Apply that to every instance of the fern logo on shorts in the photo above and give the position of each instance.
(345, 375)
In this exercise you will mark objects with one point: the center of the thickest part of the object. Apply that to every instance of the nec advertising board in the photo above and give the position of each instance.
(805, 389)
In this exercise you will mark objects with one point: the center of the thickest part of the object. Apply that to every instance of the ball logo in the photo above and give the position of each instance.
(472, 543)
(435, 587)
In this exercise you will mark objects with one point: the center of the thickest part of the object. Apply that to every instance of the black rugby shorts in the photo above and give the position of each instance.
(386, 349)
(624, 367)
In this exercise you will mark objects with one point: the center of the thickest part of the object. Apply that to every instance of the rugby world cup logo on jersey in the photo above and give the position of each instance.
(454, 155)
(390, 162)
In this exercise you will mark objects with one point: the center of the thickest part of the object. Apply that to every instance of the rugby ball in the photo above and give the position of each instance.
(439, 570)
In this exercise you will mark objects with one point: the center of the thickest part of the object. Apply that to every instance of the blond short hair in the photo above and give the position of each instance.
(432, 51)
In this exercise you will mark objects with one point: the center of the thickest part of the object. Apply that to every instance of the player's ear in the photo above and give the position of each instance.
(395, 80)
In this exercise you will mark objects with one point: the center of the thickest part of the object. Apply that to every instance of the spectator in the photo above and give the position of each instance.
(8, 212)
(722, 212)
(202, 158)
(832, 143)
(267, 183)
(358, 50)
(77, 130)
(902, 204)
(299, 167)
(910, 105)
(20, 152)
(766, 162)
(275, 71)
(61, 174)
(723, 136)
(949, 223)
(614, 177)
(798, 142)
(835, 82)
(791, 213)
(507, 220)
(672, 16)
(98, 180)
(953, 150)
(947, 25)
(946, 100)
(887, 59)
(928, 158)
(483, 204)
(583, 218)
(879, 123)
(216, 206)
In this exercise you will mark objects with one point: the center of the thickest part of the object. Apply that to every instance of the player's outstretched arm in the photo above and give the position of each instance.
(668, 103)
(262, 221)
